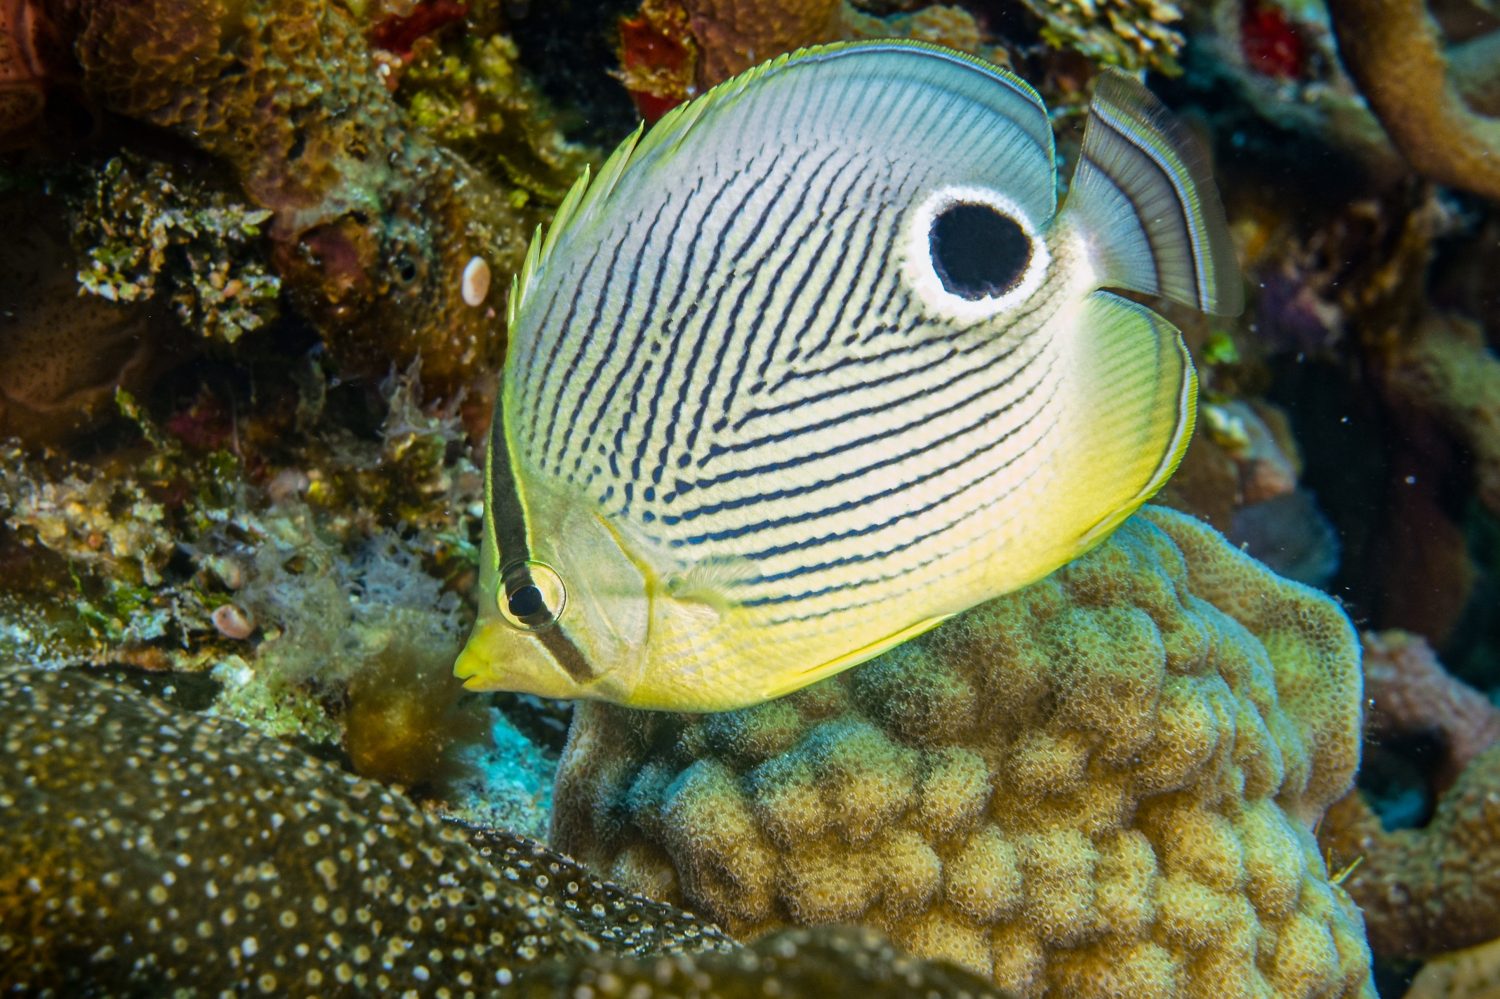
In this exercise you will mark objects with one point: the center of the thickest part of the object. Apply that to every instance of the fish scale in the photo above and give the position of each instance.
(757, 423)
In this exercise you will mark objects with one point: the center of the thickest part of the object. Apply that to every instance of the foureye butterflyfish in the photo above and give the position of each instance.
(818, 362)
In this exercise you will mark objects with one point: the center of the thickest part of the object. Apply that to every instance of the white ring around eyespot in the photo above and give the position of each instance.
(922, 277)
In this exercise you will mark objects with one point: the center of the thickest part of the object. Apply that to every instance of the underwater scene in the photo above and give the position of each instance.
(750, 498)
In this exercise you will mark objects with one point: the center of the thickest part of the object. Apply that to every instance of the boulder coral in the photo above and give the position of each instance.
(1104, 784)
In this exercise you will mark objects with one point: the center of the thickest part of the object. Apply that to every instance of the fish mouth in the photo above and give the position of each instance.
(470, 667)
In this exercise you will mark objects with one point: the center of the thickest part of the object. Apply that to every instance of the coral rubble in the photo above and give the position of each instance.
(1104, 784)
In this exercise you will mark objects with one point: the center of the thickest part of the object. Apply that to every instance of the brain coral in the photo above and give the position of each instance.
(1102, 785)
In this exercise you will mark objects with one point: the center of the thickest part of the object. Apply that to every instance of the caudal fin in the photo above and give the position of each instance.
(1144, 197)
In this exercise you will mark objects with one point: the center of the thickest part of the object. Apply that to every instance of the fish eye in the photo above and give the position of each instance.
(531, 596)
(977, 250)
(971, 253)
(406, 268)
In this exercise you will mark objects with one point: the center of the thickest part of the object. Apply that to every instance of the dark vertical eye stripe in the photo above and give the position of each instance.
(508, 538)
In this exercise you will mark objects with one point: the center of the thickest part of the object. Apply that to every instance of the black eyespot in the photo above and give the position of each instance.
(532, 595)
(977, 250)
(406, 270)
(526, 601)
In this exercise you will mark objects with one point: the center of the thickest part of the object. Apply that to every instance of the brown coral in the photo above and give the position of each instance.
(61, 356)
(1101, 785)
(373, 224)
(1394, 50)
(1471, 973)
(1430, 890)
(165, 849)
(1410, 692)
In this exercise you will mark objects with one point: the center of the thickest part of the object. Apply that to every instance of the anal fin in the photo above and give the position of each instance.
(1141, 396)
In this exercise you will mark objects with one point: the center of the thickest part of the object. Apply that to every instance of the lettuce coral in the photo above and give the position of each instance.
(1102, 785)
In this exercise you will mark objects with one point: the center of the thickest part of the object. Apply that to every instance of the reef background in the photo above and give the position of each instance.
(251, 315)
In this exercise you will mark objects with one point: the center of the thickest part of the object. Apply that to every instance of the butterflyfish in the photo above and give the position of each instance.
(818, 362)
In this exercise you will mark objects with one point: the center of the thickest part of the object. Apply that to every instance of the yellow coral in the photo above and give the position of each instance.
(1103, 785)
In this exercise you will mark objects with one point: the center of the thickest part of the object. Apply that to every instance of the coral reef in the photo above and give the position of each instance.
(245, 861)
(62, 357)
(372, 224)
(144, 225)
(284, 874)
(792, 964)
(1103, 784)
(1430, 890)
(1394, 49)
(318, 614)
(1410, 692)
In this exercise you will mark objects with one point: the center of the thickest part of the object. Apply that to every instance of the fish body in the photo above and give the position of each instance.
(817, 362)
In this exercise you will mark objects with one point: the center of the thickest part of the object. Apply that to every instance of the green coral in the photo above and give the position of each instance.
(146, 229)
(251, 862)
(1104, 784)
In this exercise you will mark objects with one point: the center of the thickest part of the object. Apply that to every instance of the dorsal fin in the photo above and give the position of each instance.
(589, 194)
(1145, 199)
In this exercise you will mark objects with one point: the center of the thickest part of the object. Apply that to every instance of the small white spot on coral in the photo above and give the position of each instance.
(476, 281)
(234, 622)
